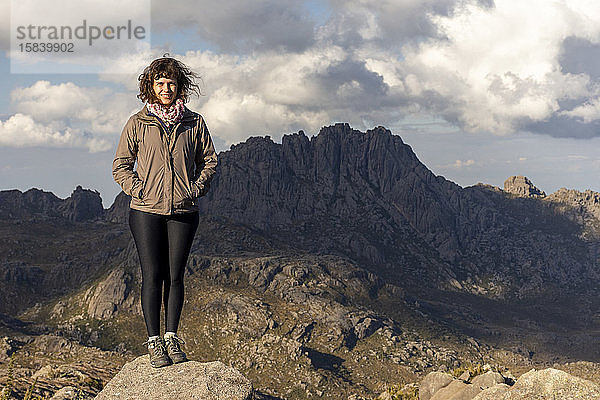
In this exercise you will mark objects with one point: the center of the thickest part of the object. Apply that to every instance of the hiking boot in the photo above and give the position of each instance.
(173, 349)
(158, 353)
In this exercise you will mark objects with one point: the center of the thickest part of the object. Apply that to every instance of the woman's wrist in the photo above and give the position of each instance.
(138, 192)
(198, 188)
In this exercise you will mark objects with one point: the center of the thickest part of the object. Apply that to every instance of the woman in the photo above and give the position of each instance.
(176, 161)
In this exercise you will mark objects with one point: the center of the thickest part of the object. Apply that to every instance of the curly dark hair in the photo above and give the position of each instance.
(167, 67)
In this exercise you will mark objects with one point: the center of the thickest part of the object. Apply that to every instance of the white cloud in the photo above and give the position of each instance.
(462, 164)
(270, 94)
(497, 67)
(227, 111)
(66, 115)
(49, 102)
(98, 110)
(588, 112)
(22, 131)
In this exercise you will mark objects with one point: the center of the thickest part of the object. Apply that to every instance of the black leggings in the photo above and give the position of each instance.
(163, 243)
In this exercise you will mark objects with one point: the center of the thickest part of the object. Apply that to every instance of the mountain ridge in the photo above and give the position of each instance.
(367, 196)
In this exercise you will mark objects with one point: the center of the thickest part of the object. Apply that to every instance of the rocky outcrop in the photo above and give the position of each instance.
(191, 380)
(82, 205)
(433, 382)
(109, 295)
(58, 368)
(442, 386)
(119, 210)
(8, 346)
(521, 186)
(588, 200)
(69, 393)
(581, 207)
(35, 204)
(547, 384)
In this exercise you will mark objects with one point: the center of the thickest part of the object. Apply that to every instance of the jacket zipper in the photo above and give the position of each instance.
(172, 181)
(168, 138)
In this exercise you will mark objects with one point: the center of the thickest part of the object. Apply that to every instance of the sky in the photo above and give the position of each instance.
(480, 89)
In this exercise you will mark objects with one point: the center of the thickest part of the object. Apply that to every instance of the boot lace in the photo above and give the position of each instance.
(173, 343)
(157, 346)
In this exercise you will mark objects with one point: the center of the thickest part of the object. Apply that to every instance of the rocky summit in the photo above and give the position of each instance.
(191, 380)
(521, 186)
(332, 266)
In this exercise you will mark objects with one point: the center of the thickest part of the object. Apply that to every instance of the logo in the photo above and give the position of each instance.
(90, 38)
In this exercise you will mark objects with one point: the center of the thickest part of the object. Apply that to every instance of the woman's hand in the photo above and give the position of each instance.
(198, 190)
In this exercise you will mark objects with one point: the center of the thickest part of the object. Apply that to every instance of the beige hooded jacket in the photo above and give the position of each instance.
(173, 168)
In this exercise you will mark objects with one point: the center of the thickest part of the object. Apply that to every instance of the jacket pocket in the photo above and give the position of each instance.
(137, 190)
(143, 194)
(198, 189)
(182, 192)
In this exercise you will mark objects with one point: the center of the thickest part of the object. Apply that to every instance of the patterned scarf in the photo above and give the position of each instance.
(169, 115)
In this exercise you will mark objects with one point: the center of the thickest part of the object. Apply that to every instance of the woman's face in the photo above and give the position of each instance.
(165, 90)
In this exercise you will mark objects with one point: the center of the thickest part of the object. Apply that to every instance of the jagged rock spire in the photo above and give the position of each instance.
(523, 187)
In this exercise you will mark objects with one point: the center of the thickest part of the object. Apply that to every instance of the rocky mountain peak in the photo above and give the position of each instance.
(588, 198)
(82, 205)
(522, 187)
(34, 203)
